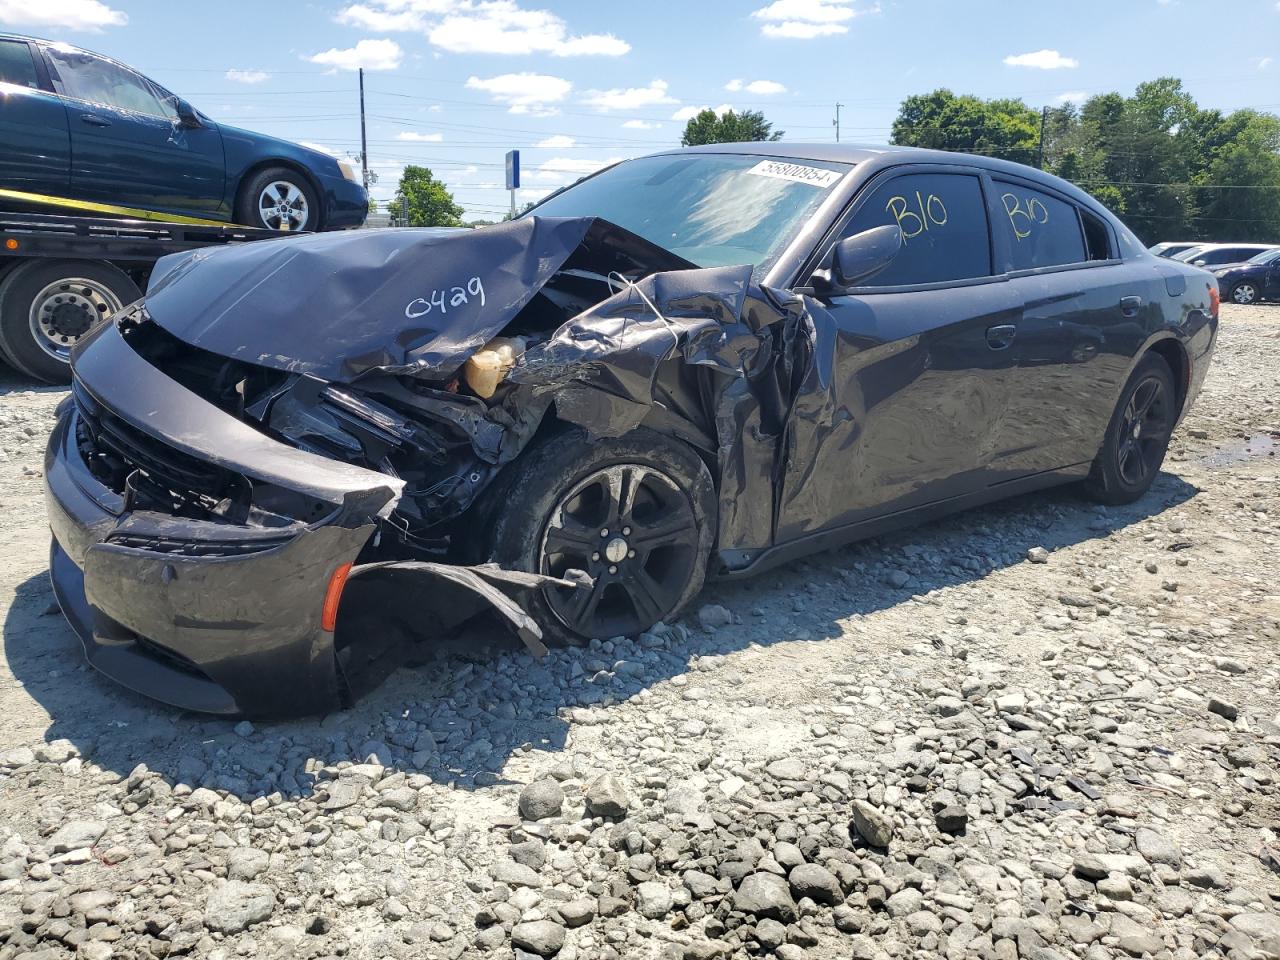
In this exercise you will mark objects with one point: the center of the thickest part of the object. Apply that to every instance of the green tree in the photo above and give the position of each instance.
(941, 120)
(730, 127)
(430, 202)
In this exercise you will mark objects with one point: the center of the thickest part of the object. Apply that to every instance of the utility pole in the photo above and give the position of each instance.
(836, 122)
(1044, 117)
(364, 144)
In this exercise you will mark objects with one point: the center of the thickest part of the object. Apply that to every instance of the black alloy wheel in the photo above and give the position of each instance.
(1144, 431)
(637, 513)
(633, 530)
(1137, 438)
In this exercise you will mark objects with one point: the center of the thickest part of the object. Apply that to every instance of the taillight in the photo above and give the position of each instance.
(1215, 300)
(332, 595)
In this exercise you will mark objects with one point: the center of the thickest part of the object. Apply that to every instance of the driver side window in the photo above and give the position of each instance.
(943, 219)
(95, 80)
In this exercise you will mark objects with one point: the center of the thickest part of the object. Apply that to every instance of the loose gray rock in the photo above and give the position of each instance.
(247, 863)
(765, 895)
(789, 768)
(543, 937)
(76, 835)
(872, 825)
(1157, 848)
(607, 797)
(951, 819)
(712, 615)
(653, 899)
(236, 905)
(815, 882)
(541, 800)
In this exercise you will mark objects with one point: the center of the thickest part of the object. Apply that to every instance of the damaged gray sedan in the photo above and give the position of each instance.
(292, 459)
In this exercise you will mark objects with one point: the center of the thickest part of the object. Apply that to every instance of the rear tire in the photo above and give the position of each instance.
(1245, 293)
(278, 194)
(1137, 437)
(47, 307)
(550, 512)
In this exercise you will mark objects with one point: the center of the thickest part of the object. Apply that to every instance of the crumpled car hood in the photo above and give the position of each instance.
(419, 302)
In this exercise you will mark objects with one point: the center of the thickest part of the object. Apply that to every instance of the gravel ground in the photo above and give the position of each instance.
(1040, 730)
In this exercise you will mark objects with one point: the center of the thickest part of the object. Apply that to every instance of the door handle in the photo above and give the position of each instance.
(1000, 336)
(1129, 306)
(94, 120)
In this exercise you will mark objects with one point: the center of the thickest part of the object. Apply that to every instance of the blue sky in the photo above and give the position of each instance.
(454, 84)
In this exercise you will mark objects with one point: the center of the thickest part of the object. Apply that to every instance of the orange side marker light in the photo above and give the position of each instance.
(329, 612)
(11, 243)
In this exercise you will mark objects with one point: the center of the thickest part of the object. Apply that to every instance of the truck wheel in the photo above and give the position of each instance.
(278, 199)
(47, 307)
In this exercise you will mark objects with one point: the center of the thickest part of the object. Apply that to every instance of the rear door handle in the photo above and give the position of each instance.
(999, 337)
(1129, 306)
(94, 120)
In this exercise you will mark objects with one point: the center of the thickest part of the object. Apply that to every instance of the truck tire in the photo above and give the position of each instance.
(47, 306)
(278, 194)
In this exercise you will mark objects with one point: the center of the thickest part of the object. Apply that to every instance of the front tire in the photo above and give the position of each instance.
(1137, 437)
(1244, 293)
(47, 307)
(637, 513)
(278, 198)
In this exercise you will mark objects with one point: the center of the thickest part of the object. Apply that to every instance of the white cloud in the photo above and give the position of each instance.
(762, 88)
(561, 170)
(503, 26)
(524, 92)
(630, 98)
(380, 21)
(1042, 60)
(1072, 96)
(247, 76)
(640, 125)
(86, 15)
(806, 19)
(412, 136)
(1264, 62)
(557, 142)
(370, 54)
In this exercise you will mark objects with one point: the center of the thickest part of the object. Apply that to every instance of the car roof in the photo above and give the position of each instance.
(1243, 246)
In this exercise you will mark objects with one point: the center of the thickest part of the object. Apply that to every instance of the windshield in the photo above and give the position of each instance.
(1266, 256)
(1188, 255)
(715, 210)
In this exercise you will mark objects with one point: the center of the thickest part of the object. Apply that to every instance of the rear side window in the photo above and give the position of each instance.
(944, 227)
(1225, 255)
(1042, 231)
(16, 64)
(87, 77)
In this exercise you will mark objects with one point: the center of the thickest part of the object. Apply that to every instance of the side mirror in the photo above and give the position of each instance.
(860, 257)
(187, 115)
(1198, 263)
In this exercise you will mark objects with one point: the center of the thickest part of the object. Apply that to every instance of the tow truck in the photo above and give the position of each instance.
(62, 275)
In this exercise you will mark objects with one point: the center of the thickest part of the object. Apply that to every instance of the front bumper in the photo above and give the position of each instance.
(216, 617)
(346, 204)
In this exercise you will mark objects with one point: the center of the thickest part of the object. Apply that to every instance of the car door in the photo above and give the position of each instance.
(1082, 319)
(921, 361)
(35, 148)
(127, 145)
(1271, 279)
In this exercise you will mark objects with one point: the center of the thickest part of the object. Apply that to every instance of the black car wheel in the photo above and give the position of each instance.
(1244, 293)
(637, 513)
(1138, 435)
(278, 199)
(47, 307)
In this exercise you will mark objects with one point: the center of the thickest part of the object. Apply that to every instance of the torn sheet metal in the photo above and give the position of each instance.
(339, 306)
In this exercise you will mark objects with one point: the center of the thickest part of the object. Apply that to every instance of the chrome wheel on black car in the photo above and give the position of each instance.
(1138, 435)
(636, 513)
(1244, 293)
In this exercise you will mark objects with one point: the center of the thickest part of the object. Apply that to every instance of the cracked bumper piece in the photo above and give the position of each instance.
(210, 614)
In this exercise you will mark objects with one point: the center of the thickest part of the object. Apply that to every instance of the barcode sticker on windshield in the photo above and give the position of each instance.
(797, 172)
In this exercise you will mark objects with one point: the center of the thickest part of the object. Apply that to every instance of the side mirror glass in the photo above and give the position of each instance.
(187, 115)
(860, 257)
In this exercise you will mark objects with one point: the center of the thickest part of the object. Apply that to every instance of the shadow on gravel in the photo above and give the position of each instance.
(11, 381)
(484, 702)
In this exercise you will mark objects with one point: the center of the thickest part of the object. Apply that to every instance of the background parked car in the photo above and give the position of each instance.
(1171, 248)
(1220, 254)
(77, 125)
(1251, 281)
